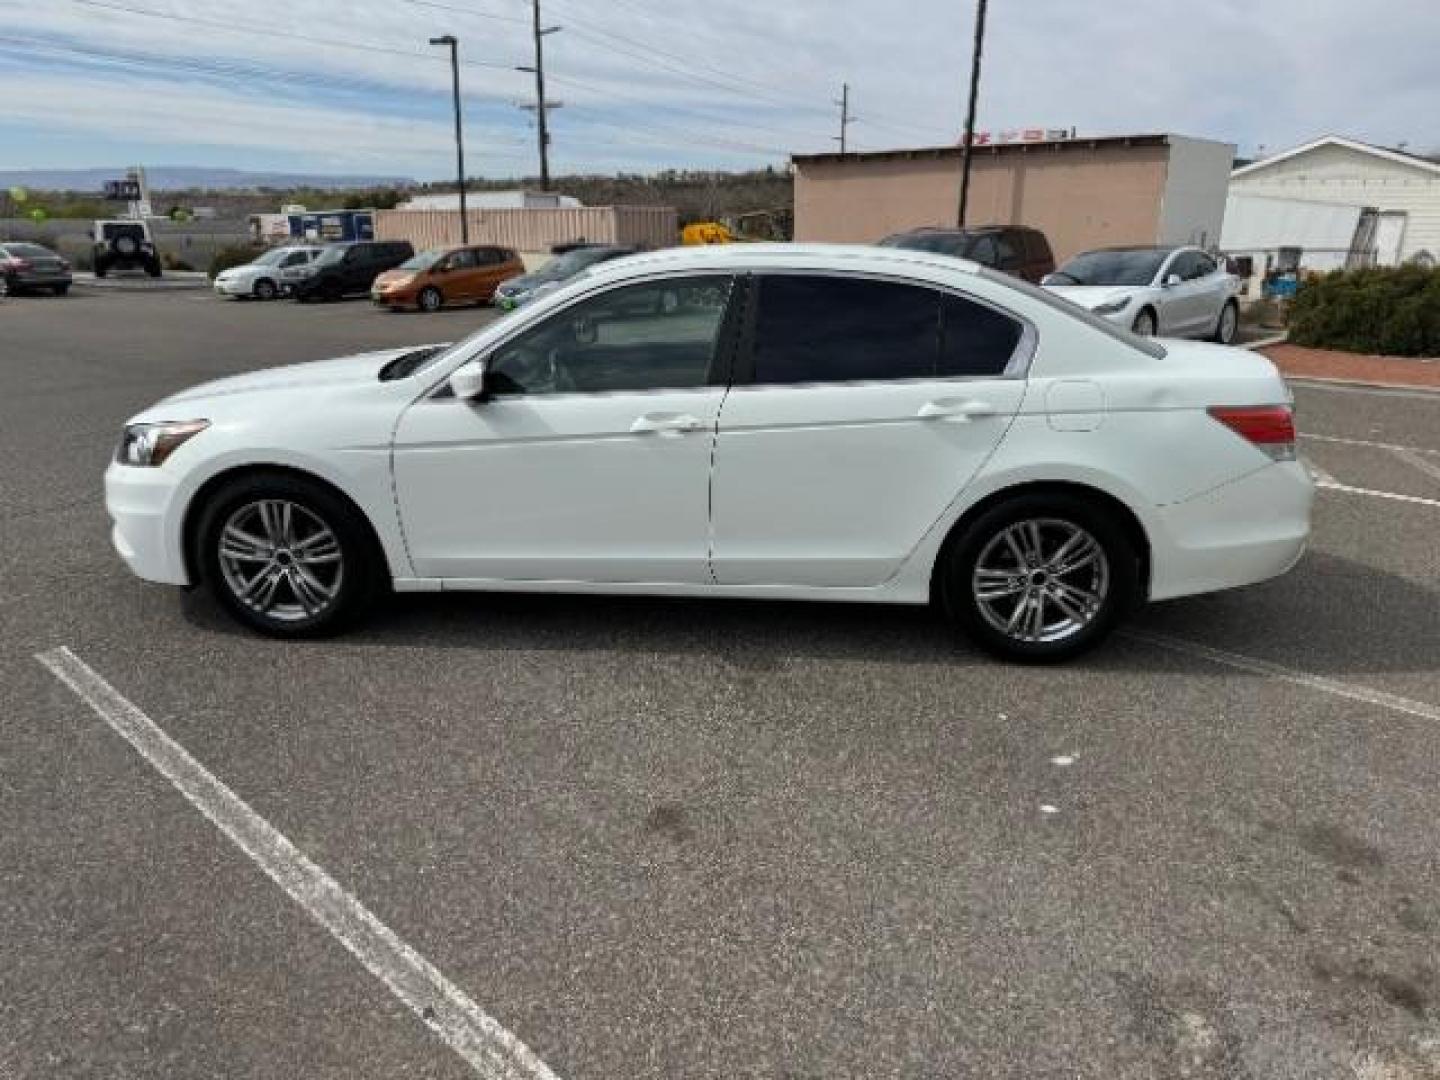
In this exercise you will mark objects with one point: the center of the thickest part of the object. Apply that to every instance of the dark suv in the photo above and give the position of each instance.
(1015, 249)
(348, 269)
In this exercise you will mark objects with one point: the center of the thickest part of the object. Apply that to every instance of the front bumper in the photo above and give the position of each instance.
(244, 287)
(1243, 532)
(395, 296)
(145, 518)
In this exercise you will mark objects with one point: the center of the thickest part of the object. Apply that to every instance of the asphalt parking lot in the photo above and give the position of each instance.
(681, 839)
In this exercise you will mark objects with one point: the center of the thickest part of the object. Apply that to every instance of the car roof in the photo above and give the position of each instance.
(720, 257)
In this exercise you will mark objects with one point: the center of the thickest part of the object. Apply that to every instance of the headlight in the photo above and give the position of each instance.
(1113, 307)
(150, 444)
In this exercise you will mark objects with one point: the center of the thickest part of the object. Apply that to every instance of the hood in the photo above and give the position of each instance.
(248, 270)
(1092, 296)
(396, 275)
(523, 283)
(343, 371)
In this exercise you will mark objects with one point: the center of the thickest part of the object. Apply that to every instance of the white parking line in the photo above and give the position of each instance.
(1410, 457)
(491, 1050)
(1331, 485)
(1300, 678)
(1367, 442)
(1382, 390)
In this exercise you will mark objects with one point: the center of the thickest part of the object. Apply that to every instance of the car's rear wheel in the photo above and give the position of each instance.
(1227, 324)
(1144, 324)
(265, 289)
(430, 299)
(1040, 578)
(287, 556)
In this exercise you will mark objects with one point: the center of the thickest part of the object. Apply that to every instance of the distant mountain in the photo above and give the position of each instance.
(176, 177)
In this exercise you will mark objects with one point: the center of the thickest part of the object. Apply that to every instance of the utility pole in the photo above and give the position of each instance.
(450, 40)
(966, 147)
(541, 106)
(845, 118)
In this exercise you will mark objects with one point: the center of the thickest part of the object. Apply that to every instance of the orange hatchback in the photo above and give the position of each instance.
(440, 276)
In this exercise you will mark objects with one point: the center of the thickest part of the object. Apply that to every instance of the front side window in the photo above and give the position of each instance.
(464, 259)
(1204, 266)
(652, 335)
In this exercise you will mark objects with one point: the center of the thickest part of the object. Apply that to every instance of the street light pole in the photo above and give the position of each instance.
(449, 39)
(970, 112)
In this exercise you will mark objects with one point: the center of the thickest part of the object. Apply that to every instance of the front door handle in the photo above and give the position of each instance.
(956, 410)
(666, 424)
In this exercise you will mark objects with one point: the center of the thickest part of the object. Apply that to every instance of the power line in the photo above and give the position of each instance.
(271, 32)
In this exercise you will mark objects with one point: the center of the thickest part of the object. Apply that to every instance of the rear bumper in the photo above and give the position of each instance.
(24, 280)
(1240, 533)
(145, 522)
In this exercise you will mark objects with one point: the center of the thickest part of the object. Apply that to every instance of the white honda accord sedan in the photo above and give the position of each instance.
(776, 421)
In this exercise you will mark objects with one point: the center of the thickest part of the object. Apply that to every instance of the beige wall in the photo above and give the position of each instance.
(533, 230)
(1080, 198)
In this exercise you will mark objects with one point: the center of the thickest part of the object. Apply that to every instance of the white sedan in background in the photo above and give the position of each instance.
(1154, 291)
(767, 421)
(265, 277)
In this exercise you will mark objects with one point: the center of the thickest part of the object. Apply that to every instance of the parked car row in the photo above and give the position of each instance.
(1153, 291)
(395, 276)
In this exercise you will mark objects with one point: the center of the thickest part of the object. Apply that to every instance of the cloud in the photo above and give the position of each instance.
(682, 82)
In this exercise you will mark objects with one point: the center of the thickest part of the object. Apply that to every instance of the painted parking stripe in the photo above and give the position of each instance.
(491, 1050)
(1419, 500)
(1299, 678)
(1370, 443)
(1418, 393)
(1429, 468)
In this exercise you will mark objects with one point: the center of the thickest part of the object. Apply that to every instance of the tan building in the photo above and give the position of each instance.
(1082, 193)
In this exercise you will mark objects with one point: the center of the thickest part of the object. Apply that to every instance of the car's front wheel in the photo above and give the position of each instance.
(430, 299)
(1227, 324)
(1040, 578)
(265, 289)
(287, 556)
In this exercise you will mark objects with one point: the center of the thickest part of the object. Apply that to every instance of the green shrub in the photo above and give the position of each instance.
(225, 258)
(1394, 311)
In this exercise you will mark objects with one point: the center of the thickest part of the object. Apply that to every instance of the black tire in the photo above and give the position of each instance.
(1054, 513)
(1227, 324)
(152, 267)
(430, 299)
(265, 289)
(331, 292)
(61, 290)
(1146, 323)
(102, 267)
(361, 572)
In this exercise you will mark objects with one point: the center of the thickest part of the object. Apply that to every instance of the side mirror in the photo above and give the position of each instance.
(1171, 280)
(468, 380)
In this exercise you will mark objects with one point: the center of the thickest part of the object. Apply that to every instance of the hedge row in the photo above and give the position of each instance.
(1393, 311)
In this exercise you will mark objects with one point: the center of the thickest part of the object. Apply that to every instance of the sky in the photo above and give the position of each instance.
(343, 86)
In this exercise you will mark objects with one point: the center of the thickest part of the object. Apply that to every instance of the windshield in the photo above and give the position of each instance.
(116, 229)
(957, 244)
(1134, 267)
(568, 265)
(29, 251)
(423, 261)
(272, 257)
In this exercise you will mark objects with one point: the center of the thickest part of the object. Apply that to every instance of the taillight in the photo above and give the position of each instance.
(1270, 427)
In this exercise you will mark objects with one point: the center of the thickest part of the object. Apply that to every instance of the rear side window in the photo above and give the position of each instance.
(1007, 249)
(835, 329)
(975, 340)
(984, 252)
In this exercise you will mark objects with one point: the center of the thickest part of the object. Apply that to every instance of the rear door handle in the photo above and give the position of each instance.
(956, 410)
(666, 424)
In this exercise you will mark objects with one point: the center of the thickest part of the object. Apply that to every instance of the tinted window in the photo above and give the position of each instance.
(464, 259)
(1136, 266)
(1008, 248)
(1204, 265)
(296, 258)
(1185, 265)
(28, 251)
(983, 251)
(835, 329)
(655, 335)
(975, 340)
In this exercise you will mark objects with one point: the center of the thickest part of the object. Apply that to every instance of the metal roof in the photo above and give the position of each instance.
(991, 149)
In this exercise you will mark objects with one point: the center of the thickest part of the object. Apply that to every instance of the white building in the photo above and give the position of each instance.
(491, 200)
(1394, 197)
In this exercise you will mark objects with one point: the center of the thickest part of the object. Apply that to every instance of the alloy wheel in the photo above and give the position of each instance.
(281, 560)
(1041, 580)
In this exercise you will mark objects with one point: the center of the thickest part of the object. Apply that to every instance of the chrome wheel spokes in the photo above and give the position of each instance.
(1041, 580)
(280, 559)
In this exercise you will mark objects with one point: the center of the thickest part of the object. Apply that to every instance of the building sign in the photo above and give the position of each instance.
(122, 190)
(1019, 135)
